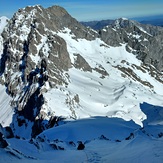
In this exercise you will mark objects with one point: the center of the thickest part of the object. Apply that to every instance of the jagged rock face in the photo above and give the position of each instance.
(31, 36)
(29, 28)
(63, 19)
(140, 39)
(3, 143)
(81, 63)
(22, 38)
(35, 58)
(4, 134)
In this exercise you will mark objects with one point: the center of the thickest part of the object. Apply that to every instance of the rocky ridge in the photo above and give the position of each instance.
(140, 40)
(35, 58)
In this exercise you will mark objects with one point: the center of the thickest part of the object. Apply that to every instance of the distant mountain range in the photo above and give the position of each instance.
(98, 24)
(156, 20)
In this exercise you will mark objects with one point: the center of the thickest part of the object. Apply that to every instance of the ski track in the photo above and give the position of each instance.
(92, 157)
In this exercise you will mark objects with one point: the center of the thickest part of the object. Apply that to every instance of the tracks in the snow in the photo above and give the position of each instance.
(92, 157)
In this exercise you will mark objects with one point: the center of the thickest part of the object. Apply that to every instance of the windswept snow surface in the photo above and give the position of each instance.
(6, 111)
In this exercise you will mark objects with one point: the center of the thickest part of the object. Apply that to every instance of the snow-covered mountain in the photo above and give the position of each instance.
(156, 20)
(62, 83)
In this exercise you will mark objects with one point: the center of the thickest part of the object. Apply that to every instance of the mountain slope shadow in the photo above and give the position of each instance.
(153, 125)
(92, 128)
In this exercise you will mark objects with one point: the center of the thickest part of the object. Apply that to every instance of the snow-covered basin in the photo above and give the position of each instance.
(91, 128)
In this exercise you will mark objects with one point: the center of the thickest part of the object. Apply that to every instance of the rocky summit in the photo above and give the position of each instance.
(55, 72)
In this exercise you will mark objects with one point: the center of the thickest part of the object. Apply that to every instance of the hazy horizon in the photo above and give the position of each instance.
(91, 10)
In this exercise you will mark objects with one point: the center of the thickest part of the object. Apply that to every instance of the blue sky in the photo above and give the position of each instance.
(84, 10)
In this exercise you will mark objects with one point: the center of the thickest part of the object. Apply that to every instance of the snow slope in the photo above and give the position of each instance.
(6, 111)
(3, 23)
(111, 95)
(105, 139)
(5, 108)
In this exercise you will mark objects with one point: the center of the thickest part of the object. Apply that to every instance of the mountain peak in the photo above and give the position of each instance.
(57, 10)
(54, 10)
(124, 22)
